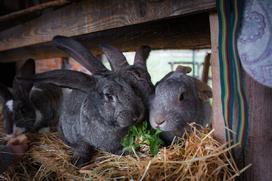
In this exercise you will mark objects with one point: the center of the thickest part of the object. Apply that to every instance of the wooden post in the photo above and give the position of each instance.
(218, 120)
(258, 150)
(259, 144)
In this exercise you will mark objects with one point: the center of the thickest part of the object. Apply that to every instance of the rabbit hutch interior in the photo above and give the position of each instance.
(121, 90)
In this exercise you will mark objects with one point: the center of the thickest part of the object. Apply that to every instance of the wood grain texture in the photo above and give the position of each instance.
(175, 33)
(84, 17)
(259, 148)
(218, 120)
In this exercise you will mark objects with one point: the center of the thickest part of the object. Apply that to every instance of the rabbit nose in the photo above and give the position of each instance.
(160, 121)
(135, 118)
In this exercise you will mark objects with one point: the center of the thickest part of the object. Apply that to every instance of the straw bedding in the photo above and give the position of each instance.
(196, 156)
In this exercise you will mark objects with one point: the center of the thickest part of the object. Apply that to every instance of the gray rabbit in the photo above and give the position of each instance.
(27, 107)
(137, 74)
(97, 110)
(178, 100)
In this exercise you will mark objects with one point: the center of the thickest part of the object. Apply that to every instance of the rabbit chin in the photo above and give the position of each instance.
(166, 127)
(18, 130)
(163, 127)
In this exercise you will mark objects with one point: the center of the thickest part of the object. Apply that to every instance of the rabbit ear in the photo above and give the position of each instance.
(21, 89)
(80, 54)
(116, 58)
(183, 69)
(5, 94)
(204, 91)
(141, 56)
(27, 70)
(68, 79)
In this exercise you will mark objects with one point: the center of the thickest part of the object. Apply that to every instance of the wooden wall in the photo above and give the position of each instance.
(174, 33)
(259, 148)
(259, 143)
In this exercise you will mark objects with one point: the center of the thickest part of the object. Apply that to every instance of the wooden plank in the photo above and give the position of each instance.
(84, 17)
(218, 120)
(186, 34)
(258, 151)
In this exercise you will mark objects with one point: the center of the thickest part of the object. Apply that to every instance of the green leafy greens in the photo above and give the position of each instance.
(142, 138)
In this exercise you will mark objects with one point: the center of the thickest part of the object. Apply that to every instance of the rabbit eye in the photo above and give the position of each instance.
(109, 97)
(23, 110)
(181, 97)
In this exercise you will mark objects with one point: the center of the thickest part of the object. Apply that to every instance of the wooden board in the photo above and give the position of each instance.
(218, 120)
(175, 33)
(259, 149)
(84, 17)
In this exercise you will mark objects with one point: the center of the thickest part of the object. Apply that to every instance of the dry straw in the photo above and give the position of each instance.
(196, 156)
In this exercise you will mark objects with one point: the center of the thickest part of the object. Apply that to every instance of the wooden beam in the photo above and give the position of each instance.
(218, 120)
(32, 9)
(84, 17)
(175, 33)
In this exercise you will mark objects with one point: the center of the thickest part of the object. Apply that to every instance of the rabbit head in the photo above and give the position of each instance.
(108, 98)
(18, 110)
(23, 111)
(115, 98)
(136, 74)
(179, 99)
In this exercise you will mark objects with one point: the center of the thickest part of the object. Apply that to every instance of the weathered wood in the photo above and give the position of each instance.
(33, 9)
(85, 17)
(175, 33)
(259, 149)
(218, 120)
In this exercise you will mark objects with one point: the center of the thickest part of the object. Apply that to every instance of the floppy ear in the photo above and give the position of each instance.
(22, 89)
(68, 79)
(115, 57)
(183, 69)
(81, 54)
(204, 91)
(141, 56)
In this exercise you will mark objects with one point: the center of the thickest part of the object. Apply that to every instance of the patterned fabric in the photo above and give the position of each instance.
(231, 85)
(255, 40)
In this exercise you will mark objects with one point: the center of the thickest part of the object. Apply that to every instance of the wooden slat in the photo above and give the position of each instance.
(175, 33)
(32, 9)
(85, 17)
(218, 120)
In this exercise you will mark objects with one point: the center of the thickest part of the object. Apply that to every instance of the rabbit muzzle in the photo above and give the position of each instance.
(127, 118)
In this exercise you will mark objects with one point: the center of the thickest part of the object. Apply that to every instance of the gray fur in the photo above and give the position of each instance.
(137, 74)
(99, 110)
(178, 100)
(33, 106)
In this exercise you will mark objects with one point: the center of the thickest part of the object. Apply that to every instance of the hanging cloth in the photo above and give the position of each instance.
(255, 40)
(232, 92)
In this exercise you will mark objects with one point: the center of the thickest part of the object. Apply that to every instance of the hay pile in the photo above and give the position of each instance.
(196, 156)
